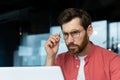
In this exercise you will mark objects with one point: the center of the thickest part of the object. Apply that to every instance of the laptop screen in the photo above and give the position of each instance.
(31, 73)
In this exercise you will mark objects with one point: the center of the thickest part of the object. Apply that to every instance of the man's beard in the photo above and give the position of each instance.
(76, 49)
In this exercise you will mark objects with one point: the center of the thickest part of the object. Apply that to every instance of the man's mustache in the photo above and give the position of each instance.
(71, 44)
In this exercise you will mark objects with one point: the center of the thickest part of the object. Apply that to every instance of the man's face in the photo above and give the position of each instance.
(76, 38)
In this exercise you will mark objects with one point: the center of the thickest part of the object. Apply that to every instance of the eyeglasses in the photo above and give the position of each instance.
(74, 34)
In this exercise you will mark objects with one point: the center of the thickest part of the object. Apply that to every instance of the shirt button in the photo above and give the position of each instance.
(76, 58)
(77, 66)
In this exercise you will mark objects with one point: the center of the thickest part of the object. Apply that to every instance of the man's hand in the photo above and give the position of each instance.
(51, 47)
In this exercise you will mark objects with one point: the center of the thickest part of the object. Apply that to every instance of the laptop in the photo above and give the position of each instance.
(31, 73)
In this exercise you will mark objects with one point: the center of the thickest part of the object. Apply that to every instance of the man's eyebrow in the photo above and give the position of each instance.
(71, 30)
(65, 32)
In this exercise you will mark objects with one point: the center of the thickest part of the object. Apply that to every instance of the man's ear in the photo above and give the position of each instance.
(89, 30)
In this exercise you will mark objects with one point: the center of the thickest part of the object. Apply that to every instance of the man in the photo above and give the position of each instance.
(84, 60)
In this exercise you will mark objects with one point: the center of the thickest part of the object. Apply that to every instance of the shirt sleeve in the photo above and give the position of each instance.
(115, 68)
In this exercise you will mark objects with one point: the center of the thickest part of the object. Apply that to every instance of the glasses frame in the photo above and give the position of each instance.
(73, 34)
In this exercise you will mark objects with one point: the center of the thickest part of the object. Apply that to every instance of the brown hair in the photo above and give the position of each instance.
(71, 13)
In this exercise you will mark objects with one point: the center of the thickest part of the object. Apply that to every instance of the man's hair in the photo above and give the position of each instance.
(71, 13)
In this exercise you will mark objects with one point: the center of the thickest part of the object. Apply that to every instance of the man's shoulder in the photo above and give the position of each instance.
(63, 53)
(105, 51)
(102, 49)
(66, 54)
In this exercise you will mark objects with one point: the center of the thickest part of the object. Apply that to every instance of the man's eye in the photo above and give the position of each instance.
(65, 34)
(75, 32)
